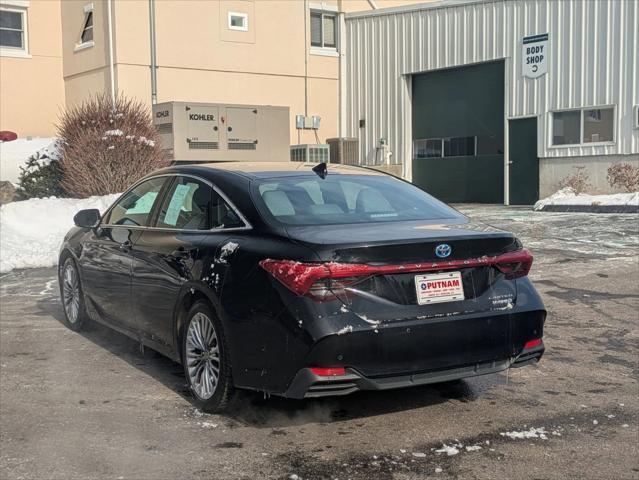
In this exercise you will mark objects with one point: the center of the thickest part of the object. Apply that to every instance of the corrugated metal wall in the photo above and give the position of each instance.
(594, 57)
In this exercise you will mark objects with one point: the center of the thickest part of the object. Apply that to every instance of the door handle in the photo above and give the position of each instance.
(126, 246)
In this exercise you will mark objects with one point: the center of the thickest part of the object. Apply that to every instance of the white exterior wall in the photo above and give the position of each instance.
(593, 61)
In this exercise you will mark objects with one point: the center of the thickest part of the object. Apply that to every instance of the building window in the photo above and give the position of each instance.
(580, 126)
(13, 31)
(86, 36)
(566, 127)
(459, 147)
(324, 29)
(598, 125)
(238, 21)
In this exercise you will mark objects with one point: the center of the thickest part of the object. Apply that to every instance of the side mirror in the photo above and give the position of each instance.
(89, 218)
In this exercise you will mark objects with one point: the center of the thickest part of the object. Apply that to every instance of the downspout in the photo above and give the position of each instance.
(154, 78)
(307, 18)
(111, 59)
(373, 4)
(342, 71)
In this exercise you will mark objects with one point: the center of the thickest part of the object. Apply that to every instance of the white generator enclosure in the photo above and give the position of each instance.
(206, 132)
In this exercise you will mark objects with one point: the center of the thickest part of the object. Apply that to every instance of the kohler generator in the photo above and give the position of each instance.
(206, 132)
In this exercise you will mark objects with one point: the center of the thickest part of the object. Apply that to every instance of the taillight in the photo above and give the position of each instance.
(515, 264)
(323, 281)
(533, 343)
(329, 371)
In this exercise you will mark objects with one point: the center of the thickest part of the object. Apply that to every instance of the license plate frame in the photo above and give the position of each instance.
(439, 288)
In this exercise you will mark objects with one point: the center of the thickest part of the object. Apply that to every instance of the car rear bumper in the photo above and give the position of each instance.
(307, 384)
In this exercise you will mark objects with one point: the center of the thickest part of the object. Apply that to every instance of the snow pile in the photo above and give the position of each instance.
(523, 434)
(31, 231)
(567, 196)
(15, 154)
(449, 450)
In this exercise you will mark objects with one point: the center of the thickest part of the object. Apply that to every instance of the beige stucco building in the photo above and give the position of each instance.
(272, 52)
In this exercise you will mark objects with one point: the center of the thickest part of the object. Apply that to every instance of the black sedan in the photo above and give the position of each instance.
(301, 281)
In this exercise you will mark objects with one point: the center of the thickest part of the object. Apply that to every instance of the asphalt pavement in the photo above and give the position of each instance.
(93, 406)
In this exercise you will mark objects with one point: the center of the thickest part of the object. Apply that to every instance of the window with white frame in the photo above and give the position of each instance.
(238, 21)
(86, 36)
(13, 30)
(583, 125)
(324, 29)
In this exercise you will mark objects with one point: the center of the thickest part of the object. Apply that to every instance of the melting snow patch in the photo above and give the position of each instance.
(438, 470)
(208, 425)
(419, 454)
(567, 196)
(449, 449)
(531, 433)
(473, 448)
(347, 329)
(226, 251)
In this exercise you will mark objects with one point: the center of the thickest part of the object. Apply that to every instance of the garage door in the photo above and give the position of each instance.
(458, 133)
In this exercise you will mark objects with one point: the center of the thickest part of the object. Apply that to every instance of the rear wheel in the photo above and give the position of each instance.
(205, 358)
(71, 295)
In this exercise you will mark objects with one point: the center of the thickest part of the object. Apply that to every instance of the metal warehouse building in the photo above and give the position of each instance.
(494, 101)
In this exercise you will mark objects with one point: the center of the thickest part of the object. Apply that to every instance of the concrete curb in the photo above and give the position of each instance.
(590, 208)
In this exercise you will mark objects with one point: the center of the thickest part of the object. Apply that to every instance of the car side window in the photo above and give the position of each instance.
(194, 205)
(136, 206)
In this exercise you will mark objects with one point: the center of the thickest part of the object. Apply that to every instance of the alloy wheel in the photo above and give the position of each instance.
(71, 293)
(202, 356)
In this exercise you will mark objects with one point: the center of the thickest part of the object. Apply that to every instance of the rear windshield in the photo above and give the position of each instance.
(344, 199)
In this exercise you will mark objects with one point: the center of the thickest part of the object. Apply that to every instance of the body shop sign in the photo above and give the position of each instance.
(534, 55)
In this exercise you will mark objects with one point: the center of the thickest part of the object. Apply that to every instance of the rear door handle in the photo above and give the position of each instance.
(126, 246)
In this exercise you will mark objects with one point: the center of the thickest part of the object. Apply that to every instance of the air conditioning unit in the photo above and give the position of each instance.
(344, 150)
(318, 153)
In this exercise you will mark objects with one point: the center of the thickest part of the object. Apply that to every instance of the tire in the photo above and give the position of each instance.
(205, 353)
(75, 315)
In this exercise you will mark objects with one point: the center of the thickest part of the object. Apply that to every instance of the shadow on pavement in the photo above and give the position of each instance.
(252, 408)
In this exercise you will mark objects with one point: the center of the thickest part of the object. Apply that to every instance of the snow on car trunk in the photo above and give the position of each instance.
(31, 231)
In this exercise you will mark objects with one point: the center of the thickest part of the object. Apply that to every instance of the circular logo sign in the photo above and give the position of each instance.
(443, 250)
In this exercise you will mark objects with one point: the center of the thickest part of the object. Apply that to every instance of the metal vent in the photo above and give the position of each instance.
(243, 146)
(344, 150)
(165, 128)
(319, 153)
(204, 145)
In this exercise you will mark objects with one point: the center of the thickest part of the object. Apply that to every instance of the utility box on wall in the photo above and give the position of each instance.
(210, 132)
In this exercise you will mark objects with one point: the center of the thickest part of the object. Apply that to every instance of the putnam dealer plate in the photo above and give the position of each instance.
(439, 287)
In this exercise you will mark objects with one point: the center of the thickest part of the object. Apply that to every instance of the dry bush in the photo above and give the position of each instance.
(623, 175)
(578, 180)
(106, 147)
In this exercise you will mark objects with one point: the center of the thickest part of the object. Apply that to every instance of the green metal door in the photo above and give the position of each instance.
(524, 163)
(458, 133)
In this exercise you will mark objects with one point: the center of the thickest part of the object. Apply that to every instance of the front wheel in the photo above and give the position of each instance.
(205, 359)
(71, 295)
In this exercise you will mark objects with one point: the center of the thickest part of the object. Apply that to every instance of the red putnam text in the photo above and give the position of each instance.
(443, 284)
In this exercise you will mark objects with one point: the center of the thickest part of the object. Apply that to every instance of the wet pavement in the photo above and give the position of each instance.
(91, 405)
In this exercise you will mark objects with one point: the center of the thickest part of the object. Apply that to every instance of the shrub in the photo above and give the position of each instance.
(578, 180)
(106, 147)
(623, 175)
(40, 177)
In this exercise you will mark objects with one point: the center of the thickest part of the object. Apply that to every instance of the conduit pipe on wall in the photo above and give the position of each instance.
(111, 59)
(154, 79)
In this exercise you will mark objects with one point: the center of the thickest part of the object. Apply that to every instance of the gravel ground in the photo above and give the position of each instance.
(92, 405)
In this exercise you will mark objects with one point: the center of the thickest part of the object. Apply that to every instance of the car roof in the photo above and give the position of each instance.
(279, 169)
